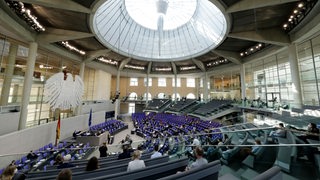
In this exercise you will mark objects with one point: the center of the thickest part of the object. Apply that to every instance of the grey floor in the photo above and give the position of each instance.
(116, 146)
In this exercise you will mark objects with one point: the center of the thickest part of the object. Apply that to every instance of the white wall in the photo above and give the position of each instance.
(9, 122)
(21, 142)
(102, 85)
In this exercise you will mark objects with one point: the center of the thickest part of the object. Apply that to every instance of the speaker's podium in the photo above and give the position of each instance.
(93, 140)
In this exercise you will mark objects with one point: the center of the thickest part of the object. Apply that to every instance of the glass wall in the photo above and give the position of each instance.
(309, 64)
(46, 65)
(269, 78)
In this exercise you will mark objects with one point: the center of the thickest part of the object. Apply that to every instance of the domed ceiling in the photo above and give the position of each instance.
(161, 36)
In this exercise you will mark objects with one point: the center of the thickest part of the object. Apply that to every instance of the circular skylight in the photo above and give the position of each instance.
(174, 13)
(159, 30)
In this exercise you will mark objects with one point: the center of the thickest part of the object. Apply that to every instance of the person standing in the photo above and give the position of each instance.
(103, 150)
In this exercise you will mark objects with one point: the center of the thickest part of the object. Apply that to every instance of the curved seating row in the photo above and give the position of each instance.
(102, 171)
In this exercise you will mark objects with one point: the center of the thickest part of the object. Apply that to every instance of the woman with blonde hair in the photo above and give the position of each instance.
(136, 163)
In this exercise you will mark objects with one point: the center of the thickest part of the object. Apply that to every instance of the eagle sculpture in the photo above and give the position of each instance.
(62, 92)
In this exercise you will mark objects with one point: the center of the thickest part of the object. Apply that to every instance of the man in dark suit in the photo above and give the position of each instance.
(103, 150)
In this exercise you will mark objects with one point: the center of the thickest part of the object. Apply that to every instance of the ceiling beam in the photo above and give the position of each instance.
(52, 35)
(60, 4)
(199, 64)
(61, 51)
(13, 26)
(123, 63)
(274, 36)
(253, 4)
(174, 68)
(91, 55)
(269, 51)
(232, 56)
(149, 67)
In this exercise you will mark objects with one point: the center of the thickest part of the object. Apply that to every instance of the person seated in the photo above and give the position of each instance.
(32, 156)
(196, 142)
(125, 154)
(65, 174)
(156, 153)
(136, 163)
(200, 160)
(253, 150)
(92, 164)
(8, 173)
(75, 134)
(58, 160)
(280, 132)
(312, 132)
(65, 163)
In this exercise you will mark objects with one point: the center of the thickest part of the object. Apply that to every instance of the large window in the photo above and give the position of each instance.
(178, 82)
(191, 96)
(309, 62)
(133, 96)
(145, 96)
(133, 81)
(149, 83)
(162, 82)
(132, 108)
(174, 96)
(201, 83)
(191, 82)
(270, 78)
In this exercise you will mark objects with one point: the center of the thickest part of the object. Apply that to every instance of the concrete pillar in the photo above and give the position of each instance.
(295, 75)
(8, 74)
(81, 74)
(147, 89)
(117, 103)
(28, 77)
(205, 87)
(243, 80)
(175, 87)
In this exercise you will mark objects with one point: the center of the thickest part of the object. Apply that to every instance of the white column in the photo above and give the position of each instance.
(294, 67)
(81, 74)
(147, 90)
(28, 77)
(8, 74)
(243, 89)
(243, 80)
(117, 103)
(175, 87)
(205, 87)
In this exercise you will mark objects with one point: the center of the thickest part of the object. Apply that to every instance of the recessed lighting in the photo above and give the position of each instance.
(300, 5)
(285, 25)
(295, 11)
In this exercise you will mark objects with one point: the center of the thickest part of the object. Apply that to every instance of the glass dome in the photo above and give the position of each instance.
(159, 30)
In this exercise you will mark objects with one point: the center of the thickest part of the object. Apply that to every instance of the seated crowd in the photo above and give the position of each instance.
(202, 142)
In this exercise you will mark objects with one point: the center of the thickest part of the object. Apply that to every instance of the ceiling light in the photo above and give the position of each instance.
(72, 48)
(295, 11)
(241, 54)
(300, 5)
(285, 25)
